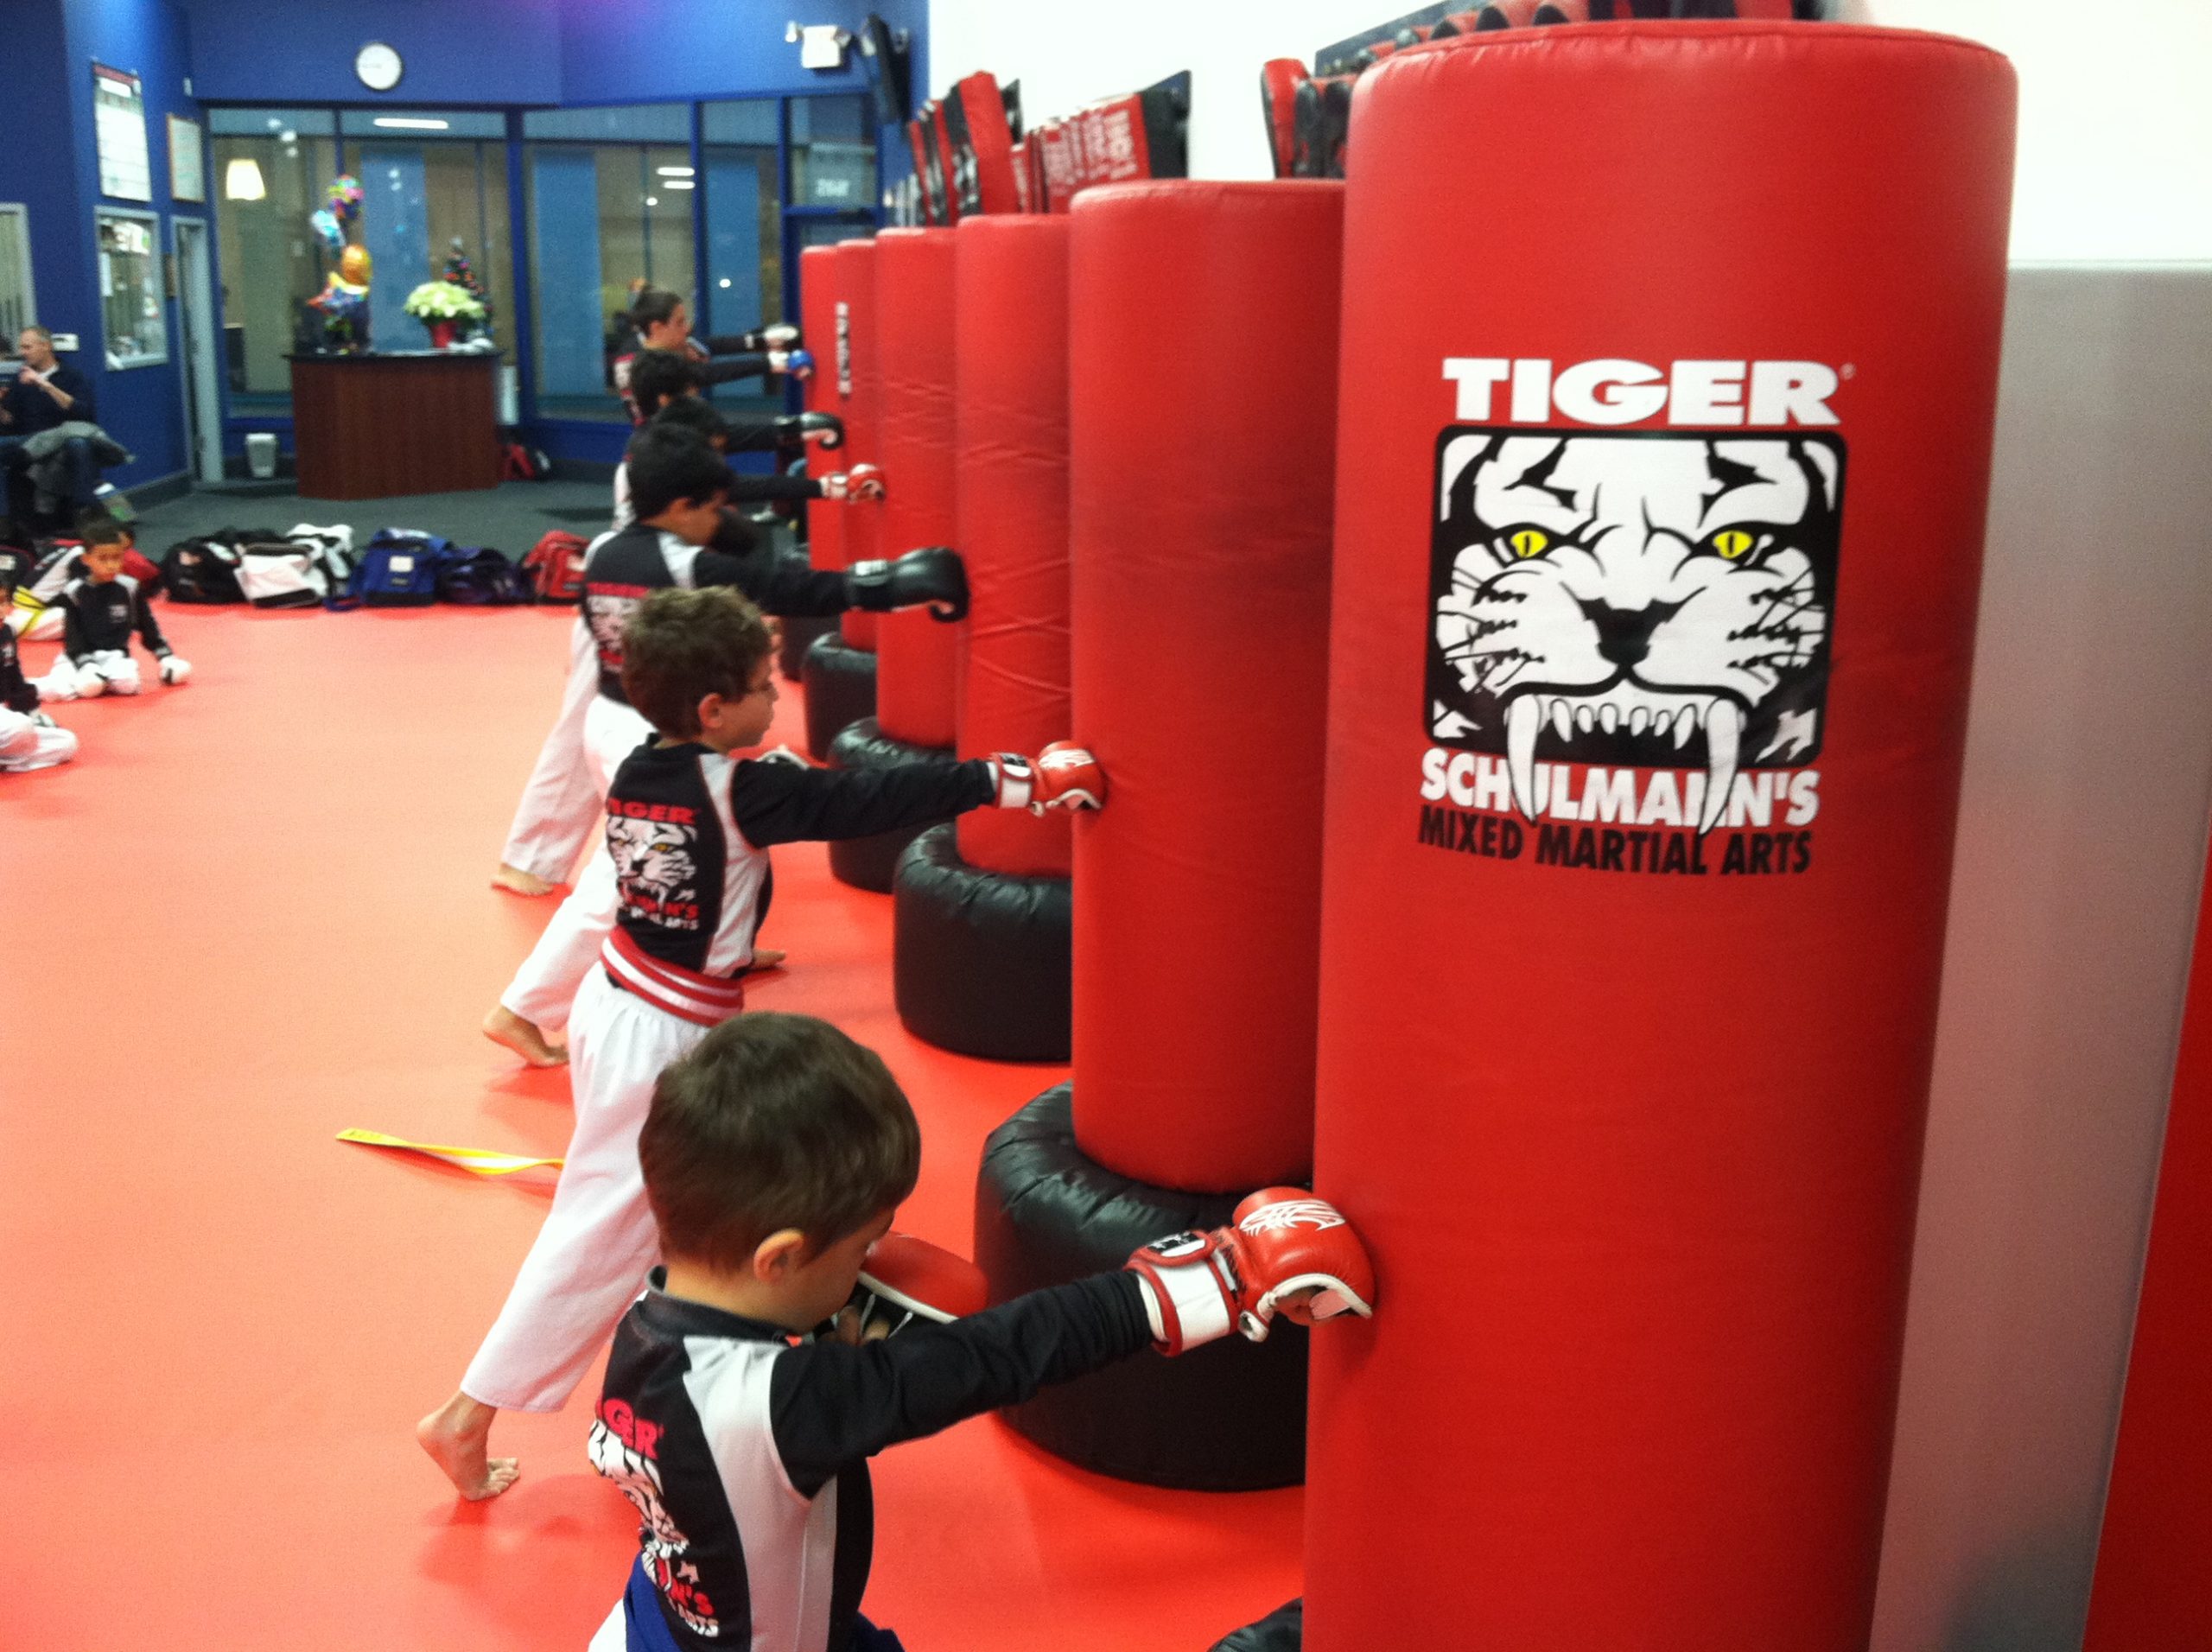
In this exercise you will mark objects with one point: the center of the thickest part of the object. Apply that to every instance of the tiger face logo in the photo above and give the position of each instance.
(1645, 600)
(651, 857)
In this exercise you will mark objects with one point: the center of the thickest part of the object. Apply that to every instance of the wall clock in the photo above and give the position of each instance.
(379, 66)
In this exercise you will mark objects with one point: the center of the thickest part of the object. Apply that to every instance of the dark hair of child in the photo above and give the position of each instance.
(773, 1122)
(681, 645)
(652, 306)
(667, 463)
(692, 413)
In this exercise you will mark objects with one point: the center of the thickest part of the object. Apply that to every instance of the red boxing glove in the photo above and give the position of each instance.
(1068, 777)
(905, 1278)
(1285, 1243)
(1060, 777)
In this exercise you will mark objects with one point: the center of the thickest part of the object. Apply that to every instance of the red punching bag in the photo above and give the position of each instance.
(860, 374)
(914, 692)
(1664, 457)
(818, 325)
(1199, 526)
(1011, 333)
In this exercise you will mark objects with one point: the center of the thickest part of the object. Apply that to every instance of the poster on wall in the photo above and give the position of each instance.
(119, 123)
(187, 161)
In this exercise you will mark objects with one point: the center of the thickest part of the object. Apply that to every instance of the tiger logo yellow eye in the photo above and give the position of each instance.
(1530, 542)
(1732, 542)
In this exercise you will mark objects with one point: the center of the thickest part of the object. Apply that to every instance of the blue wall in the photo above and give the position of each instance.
(631, 51)
(509, 53)
(455, 51)
(49, 162)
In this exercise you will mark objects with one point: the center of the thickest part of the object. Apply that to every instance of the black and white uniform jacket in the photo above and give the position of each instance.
(97, 617)
(624, 567)
(747, 1454)
(689, 830)
(17, 691)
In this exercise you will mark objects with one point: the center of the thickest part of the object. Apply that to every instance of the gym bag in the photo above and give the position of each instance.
(482, 578)
(399, 569)
(205, 570)
(555, 567)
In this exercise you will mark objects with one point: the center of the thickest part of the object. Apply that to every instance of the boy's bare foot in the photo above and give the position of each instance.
(516, 881)
(455, 1435)
(504, 1026)
(768, 957)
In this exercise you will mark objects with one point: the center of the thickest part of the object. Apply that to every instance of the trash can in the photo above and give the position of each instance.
(261, 454)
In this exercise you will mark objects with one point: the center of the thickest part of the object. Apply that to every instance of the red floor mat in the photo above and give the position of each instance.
(255, 912)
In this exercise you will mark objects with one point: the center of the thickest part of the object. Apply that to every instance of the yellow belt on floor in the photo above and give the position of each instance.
(477, 1161)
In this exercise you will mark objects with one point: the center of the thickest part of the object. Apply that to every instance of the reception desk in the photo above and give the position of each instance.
(398, 421)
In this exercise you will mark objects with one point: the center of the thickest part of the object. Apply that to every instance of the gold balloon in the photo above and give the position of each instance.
(354, 265)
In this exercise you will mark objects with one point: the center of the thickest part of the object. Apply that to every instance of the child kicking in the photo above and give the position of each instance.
(774, 1154)
(100, 609)
(688, 830)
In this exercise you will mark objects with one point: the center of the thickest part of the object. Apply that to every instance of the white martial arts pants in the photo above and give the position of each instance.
(559, 805)
(27, 743)
(590, 1259)
(111, 670)
(546, 985)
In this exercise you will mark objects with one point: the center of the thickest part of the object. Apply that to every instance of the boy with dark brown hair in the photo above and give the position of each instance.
(688, 830)
(742, 1401)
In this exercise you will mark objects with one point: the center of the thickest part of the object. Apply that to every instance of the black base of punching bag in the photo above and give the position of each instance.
(979, 959)
(1281, 1630)
(800, 632)
(840, 685)
(1227, 1417)
(871, 862)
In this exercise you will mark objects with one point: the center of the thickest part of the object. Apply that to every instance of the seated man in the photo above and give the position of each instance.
(46, 394)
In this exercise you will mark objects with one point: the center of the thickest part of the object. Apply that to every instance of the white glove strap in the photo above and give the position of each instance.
(1015, 778)
(1200, 1300)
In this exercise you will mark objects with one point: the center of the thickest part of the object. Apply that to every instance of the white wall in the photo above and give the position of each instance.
(2115, 128)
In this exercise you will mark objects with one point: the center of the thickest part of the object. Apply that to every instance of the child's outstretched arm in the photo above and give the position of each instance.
(785, 802)
(831, 1404)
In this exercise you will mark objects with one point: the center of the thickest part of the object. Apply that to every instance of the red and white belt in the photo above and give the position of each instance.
(707, 1000)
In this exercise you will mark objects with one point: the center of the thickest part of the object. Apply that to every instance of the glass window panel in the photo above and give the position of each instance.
(18, 308)
(458, 123)
(272, 261)
(627, 123)
(750, 121)
(833, 153)
(136, 322)
(745, 263)
(269, 123)
(603, 220)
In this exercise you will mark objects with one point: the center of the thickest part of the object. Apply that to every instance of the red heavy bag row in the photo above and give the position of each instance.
(1010, 332)
(1647, 693)
(1200, 597)
(915, 687)
(859, 386)
(827, 391)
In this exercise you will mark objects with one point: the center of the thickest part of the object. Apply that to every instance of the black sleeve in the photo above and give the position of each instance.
(74, 643)
(731, 344)
(16, 692)
(785, 802)
(744, 485)
(82, 405)
(831, 1405)
(728, 368)
(774, 584)
(751, 436)
(149, 629)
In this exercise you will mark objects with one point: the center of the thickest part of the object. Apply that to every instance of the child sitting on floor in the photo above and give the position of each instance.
(28, 737)
(99, 610)
(772, 1156)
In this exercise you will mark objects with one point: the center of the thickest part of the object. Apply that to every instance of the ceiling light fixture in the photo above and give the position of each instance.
(673, 172)
(242, 181)
(407, 122)
(678, 183)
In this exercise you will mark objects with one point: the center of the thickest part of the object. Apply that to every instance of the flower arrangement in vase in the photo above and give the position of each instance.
(442, 307)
